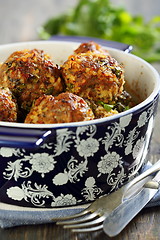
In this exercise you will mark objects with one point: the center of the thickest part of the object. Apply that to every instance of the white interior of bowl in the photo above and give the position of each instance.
(140, 75)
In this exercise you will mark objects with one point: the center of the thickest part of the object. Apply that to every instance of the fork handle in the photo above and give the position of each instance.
(155, 168)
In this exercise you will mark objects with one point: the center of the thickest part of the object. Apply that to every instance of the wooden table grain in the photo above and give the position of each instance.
(19, 20)
(145, 226)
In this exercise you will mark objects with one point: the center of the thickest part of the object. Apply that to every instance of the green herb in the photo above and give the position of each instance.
(106, 106)
(117, 71)
(127, 108)
(49, 91)
(99, 18)
(70, 86)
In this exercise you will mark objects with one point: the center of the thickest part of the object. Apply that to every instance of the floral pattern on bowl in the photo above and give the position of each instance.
(79, 165)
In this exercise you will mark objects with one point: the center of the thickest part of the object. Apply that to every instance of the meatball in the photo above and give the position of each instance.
(64, 108)
(100, 112)
(29, 74)
(8, 107)
(90, 47)
(94, 76)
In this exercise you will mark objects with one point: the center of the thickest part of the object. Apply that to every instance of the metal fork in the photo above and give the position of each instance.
(91, 219)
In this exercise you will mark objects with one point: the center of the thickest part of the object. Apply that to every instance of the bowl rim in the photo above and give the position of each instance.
(144, 103)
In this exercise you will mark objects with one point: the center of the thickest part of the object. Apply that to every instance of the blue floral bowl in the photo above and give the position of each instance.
(53, 165)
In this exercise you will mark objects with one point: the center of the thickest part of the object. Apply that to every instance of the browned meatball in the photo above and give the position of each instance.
(29, 74)
(8, 108)
(94, 76)
(64, 108)
(90, 47)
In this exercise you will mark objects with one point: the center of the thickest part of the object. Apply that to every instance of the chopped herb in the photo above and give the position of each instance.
(106, 106)
(127, 108)
(70, 86)
(49, 91)
(117, 71)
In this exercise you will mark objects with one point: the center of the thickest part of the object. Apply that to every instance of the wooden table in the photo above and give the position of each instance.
(145, 226)
(18, 22)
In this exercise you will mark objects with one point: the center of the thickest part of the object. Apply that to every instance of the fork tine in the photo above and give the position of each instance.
(84, 230)
(85, 224)
(75, 221)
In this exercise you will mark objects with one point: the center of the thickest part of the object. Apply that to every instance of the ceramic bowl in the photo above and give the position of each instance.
(52, 165)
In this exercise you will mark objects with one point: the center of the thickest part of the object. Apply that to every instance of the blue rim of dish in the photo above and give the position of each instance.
(113, 44)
